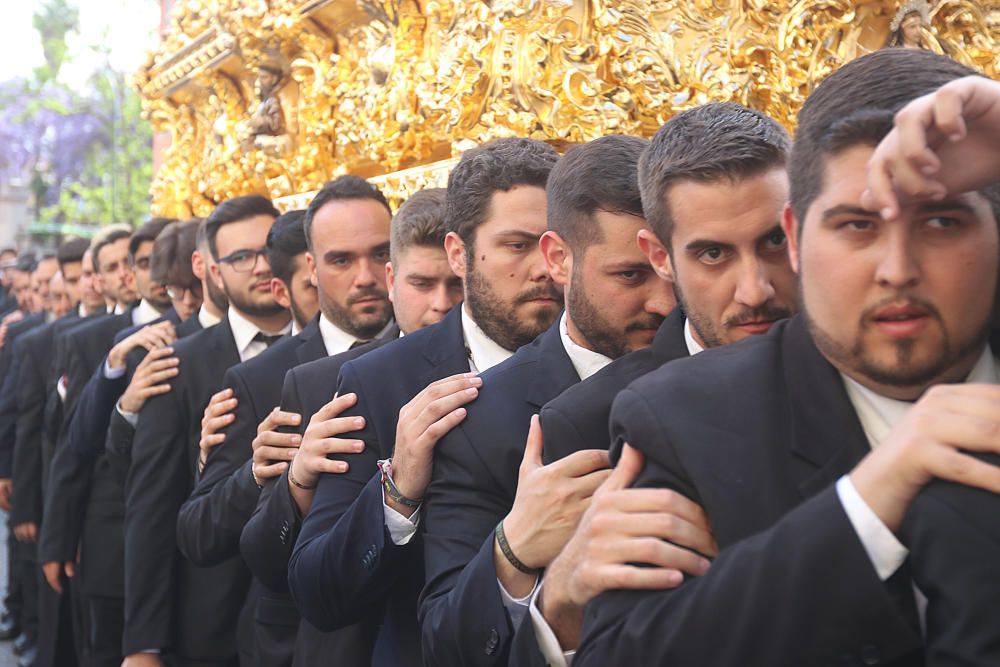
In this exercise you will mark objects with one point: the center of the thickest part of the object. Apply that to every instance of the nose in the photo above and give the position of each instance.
(661, 299)
(441, 301)
(539, 270)
(367, 275)
(262, 267)
(753, 288)
(898, 266)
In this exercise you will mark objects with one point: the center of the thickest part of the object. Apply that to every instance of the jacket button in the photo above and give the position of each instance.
(870, 655)
(492, 642)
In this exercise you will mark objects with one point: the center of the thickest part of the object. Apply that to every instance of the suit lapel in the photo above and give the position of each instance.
(445, 351)
(224, 344)
(826, 436)
(312, 346)
(669, 343)
(554, 372)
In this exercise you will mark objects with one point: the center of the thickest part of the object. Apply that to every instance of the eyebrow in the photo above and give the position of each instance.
(929, 207)
(519, 233)
(627, 266)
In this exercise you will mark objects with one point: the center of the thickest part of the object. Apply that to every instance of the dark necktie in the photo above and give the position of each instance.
(358, 343)
(262, 337)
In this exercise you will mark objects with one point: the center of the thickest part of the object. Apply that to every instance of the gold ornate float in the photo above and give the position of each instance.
(278, 96)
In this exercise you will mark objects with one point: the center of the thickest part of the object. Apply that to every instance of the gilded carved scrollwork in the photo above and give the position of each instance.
(278, 96)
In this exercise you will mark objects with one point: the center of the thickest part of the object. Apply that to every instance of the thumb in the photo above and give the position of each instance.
(629, 466)
(70, 569)
(533, 446)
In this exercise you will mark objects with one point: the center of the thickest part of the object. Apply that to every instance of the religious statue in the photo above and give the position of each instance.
(266, 128)
(911, 29)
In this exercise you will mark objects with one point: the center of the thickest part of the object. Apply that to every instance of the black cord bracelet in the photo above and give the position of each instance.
(508, 553)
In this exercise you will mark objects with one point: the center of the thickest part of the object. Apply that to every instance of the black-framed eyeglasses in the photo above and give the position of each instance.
(178, 292)
(243, 261)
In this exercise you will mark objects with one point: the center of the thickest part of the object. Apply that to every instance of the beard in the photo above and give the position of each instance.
(710, 334)
(217, 296)
(366, 324)
(244, 303)
(498, 319)
(903, 370)
(603, 336)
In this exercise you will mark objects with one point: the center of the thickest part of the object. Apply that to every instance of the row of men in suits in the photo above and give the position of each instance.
(781, 488)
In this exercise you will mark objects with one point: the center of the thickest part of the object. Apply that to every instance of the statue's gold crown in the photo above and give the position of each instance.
(915, 6)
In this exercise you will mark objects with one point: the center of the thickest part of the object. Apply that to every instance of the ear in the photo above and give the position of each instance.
(790, 225)
(198, 265)
(215, 273)
(280, 293)
(657, 254)
(311, 261)
(558, 257)
(390, 279)
(454, 247)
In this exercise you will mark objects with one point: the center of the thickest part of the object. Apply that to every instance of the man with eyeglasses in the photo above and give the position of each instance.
(171, 605)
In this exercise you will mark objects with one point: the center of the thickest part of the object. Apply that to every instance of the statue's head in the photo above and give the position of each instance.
(910, 29)
(268, 77)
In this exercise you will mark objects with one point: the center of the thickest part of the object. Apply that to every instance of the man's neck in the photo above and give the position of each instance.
(211, 308)
(575, 334)
(269, 324)
(957, 373)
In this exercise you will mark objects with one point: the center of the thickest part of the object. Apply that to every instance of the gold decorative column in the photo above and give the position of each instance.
(279, 96)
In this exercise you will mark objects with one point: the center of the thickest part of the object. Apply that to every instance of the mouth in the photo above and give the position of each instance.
(366, 301)
(756, 326)
(901, 320)
(262, 286)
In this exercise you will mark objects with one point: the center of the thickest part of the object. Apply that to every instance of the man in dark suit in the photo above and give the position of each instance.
(614, 303)
(170, 604)
(806, 476)
(728, 265)
(211, 520)
(422, 288)
(358, 557)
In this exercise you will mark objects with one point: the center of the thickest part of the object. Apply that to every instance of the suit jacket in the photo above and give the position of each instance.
(757, 433)
(10, 364)
(268, 537)
(345, 567)
(462, 616)
(577, 419)
(34, 349)
(170, 603)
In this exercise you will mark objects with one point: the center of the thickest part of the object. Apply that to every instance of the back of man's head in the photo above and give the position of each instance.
(147, 231)
(71, 251)
(856, 105)
(712, 142)
(340, 189)
(497, 166)
(601, 175)
(170, 263)
(286, 240)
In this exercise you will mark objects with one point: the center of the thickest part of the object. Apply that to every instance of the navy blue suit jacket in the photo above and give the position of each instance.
(345, 566)
(463, 620)
(9, 368)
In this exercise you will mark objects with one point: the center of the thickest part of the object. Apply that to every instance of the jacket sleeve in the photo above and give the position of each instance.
(88, 428)
(833, 606)
(26, 497)
(211, 520)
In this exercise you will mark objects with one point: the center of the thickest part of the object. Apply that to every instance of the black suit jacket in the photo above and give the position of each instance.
(268, 537)
(345, 567)
(10, 364)
(757, 433)
(169, 602)
(462, 616)
(577, 419)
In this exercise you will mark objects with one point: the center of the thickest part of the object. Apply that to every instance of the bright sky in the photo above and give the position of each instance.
(129, 26)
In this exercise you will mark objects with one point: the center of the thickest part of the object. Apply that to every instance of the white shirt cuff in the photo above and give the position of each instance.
(517, 608)
(547, 642)
(131, 417)
(885, 551)
(401, 529)
(112, 373)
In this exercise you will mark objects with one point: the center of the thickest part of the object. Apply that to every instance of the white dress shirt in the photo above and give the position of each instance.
(484, 353)
(144, 313)
(207, 319)
(547, 641)
(878, 416)
(335, 339)
(244, 332)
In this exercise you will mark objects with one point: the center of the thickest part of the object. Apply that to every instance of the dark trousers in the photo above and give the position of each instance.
(29, 570)
(14, 600)
(104, 624)
(57, 622)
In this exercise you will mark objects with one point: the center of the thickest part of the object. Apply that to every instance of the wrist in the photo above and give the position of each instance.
(564, 618)
(126, 405)
(410, 477)
(518, 584)
(882, 493)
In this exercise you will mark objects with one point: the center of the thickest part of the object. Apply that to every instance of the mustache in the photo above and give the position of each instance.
(768, 311)
(900, 299)
(548, 290)
(652, 321)
(367, 293)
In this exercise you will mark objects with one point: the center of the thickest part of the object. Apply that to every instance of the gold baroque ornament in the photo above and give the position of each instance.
(279, 96)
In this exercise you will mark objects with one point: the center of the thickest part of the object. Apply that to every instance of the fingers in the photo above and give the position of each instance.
(440, 428)
(583, 462)
(335, 426)
(533, 446)
(277, 440)
(665, 526)
(948, 113)
(274, 454)
(446, 387)
(221, 403)
(630, 577)
(52, 570)
(277, 418)
(70, 569)
(629, 466)
(154, 356)
(262, 472)
(213, 425)
(336, 405)
(211, 441)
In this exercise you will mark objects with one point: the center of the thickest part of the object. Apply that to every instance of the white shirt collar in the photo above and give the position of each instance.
(207, 319)
(118, 309)
(879, 414)
(586, 362)
(144, 313)
(484, 352)
(693, 346)
(243, 335)
(335, 339)
(81, 311)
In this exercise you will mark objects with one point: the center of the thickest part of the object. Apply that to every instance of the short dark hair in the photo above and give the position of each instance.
(71, 251)
(712, 142)
(235, 210)
(419, 222)
(856, 105)
(148, 231)
(170, 263)
(496, 166)
(285, 242)
(341, 188)
(105, 237)
(26, 262)
(600, 175)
